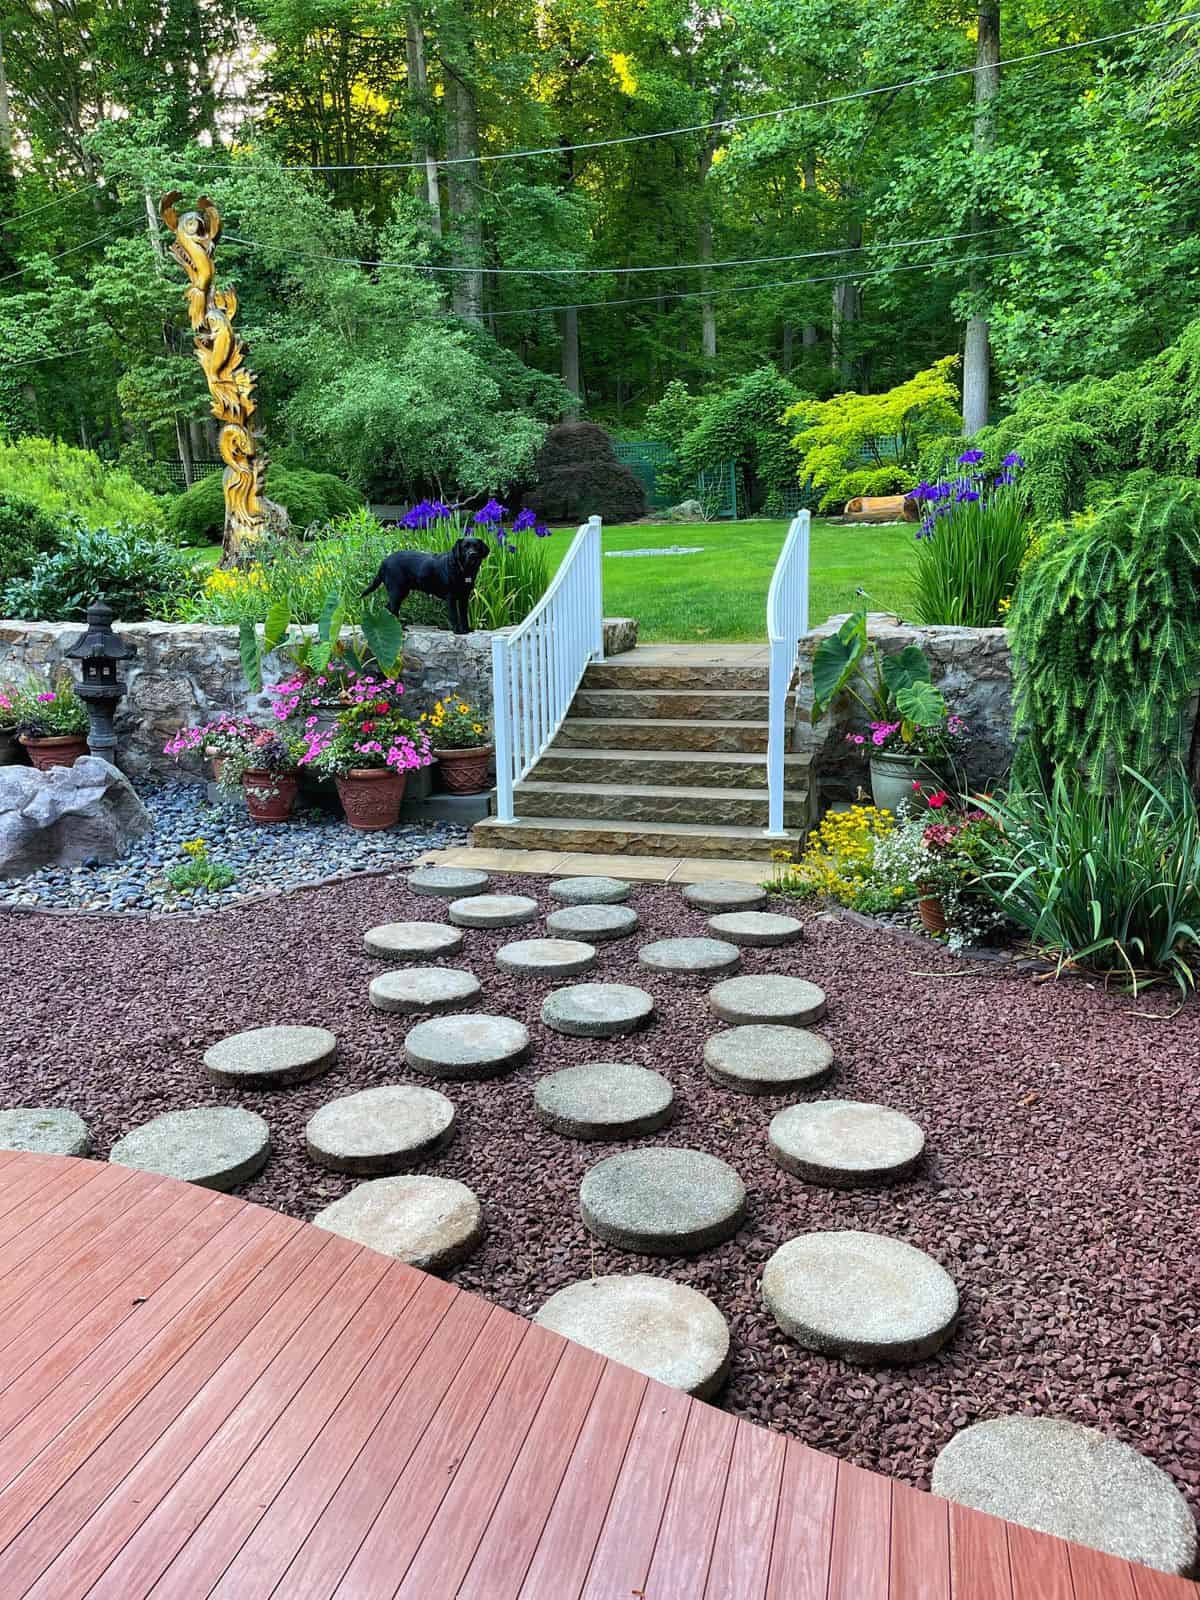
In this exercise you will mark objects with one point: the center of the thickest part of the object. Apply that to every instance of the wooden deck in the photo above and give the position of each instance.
(200, 1397)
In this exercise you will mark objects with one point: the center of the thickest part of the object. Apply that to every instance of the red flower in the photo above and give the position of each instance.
(368, 727)
(938, 799)
(381, 706)
(917, 785)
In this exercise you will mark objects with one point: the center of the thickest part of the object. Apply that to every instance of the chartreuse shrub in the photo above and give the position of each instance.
(65, 482)
(856, 444)
(1105, 632)
(198, 515)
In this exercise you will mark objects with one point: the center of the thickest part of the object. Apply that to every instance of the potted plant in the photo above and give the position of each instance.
(10, 750)
(216, 740)
(461, 746)
(369, 753)
(904, 754)
(51, 723)
(264, 763)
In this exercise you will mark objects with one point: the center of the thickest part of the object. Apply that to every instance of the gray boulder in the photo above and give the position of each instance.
(687, 511)
(66, 816)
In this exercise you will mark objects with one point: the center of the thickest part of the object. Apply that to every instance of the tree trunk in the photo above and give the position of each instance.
(183, 441)
(977, 356)
(788, 341)
(847, 309)
(5, 119)
(708, 311)
(421, 110)
(810, 336)
(570, 356)
(464, 184)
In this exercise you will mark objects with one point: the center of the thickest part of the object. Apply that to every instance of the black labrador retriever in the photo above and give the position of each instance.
(450, 577)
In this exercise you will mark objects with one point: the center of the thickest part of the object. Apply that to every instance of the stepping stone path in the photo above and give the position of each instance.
(605, 1100)
(546, 958)
(790, 1002)
(860, 1295)
(666, 1330)
(448, 883)
(412, 989)
(597, 1010)
(1074, 1482)
(725, 895)
(845, 1143)
(493, 911)
(217, 1147)
(588, 891)
(684, 957)
(767, 1058)
(45, 1130)
(662, 1201)
(412, 941)
(753, 928)
(380, 1130)
(428, 1222)
(596, 924)
(270, 1058)
(468, 1045)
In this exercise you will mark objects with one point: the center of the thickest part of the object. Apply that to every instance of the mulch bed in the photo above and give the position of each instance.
(1059, 1189)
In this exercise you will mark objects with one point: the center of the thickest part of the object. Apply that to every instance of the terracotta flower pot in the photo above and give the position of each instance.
(63, 750)
(932, 913)
(465, 771)
(270, 796)
(371, 797)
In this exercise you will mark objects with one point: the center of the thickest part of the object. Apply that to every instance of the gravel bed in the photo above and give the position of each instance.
(1058, 1187)
(313, 846)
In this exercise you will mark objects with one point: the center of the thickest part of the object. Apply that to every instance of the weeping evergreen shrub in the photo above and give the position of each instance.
(1105, 634)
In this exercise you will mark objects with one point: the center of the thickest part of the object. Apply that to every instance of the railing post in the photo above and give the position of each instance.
(787, 623)
(597, 580)
(502, 716)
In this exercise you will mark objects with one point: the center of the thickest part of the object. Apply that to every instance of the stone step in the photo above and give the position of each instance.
(627, 673)
(577, 835)
(712, 705)
(627, 733)
(688, 769)
(617, 802)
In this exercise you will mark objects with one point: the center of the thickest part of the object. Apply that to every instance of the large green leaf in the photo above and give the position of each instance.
(251, 656)
(276, 625)
(921, 705)
(384, 634)
(835, 661)
(906, 668)
(329, 623)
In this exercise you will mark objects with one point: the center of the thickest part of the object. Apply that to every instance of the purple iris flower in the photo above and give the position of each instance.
(966, 495)
(523, 520)
(970, 458)
(493, 511)
(1012, 459)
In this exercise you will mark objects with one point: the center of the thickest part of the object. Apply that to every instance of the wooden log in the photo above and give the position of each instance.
(881, 508)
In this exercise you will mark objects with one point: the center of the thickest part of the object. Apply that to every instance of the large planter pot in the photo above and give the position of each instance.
(64, 750)
(465, 771)
(932, 913)
(893, 776)
(371, 797)
(10, 749)
(270, 796)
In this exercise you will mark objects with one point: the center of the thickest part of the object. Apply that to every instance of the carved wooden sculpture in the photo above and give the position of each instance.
(248, 514)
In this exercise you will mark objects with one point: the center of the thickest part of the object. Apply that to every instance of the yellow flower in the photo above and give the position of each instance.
(477, 727)
(193, 847)
(463, 710)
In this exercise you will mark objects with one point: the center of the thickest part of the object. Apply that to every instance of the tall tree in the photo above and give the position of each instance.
(977, 354)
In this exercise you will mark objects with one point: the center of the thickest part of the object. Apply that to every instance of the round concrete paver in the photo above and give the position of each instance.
(270, 1058)
(788, 1002)
(412, 941)
(680, 958)
(860, 1295)
(845, 1143)
(448, 883)
(725, 895)
(588, 891)
(546, 958)
(380, 1130)
(1073, 1482)
(767, 1058)
(45, 1130)
(217, 1147)
(604, 1100)
(662, 1201)
(428, 1222)
(493, 911)
(467, 1045)
(596, 924)
(597, 1010)
(412, 989)
(751, 928)
(666, 1330)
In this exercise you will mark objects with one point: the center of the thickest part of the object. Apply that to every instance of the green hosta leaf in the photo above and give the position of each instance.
(921, 705)
(384, 634)
(903, 670)
(835, 661)
(251, 656)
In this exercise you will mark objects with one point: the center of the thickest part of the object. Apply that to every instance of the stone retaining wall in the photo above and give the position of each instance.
(190, 672)
(971, 668)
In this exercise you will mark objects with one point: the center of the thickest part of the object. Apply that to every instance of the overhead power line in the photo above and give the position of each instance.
(100, 238)
(59, 200)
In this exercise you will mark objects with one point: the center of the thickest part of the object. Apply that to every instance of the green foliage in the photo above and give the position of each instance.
(197, 516)
(63, 481)
(850, 661)
(135, 570)
(969, 559)
(837, 437)
(577, 475)
(1105, 632)
(26, 532)
(1106, 880)
(199, 871)
(744, 423)
(45, 710)
(673, 415)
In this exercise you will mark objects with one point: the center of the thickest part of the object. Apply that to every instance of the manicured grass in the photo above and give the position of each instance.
(721, 592)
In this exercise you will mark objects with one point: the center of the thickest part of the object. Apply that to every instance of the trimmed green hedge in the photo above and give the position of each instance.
(198, 515)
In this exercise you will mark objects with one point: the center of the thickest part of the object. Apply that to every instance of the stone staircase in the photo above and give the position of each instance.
(657, 760)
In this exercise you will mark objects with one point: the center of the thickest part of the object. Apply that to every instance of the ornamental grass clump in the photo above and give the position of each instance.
(971, 544)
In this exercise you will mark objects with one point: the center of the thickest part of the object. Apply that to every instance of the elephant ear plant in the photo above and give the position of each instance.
(897, 690)
(383, 634)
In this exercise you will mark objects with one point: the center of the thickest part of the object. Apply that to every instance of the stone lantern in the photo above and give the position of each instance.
(99, 651)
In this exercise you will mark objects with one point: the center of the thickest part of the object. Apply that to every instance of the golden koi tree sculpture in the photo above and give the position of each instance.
(248, 513)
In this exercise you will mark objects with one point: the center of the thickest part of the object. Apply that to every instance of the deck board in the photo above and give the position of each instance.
(204, 1400)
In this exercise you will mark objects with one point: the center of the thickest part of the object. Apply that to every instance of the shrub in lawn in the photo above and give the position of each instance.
(577, 475)
(26, 532)
(138, 573)
(197, 516)
(971, 544)
(1103, 879)
(65, 482)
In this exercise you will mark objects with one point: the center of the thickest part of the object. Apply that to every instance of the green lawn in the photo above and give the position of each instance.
(721, 592)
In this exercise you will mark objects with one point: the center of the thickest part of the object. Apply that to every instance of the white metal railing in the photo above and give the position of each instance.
(787, 623)
(537, 667)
